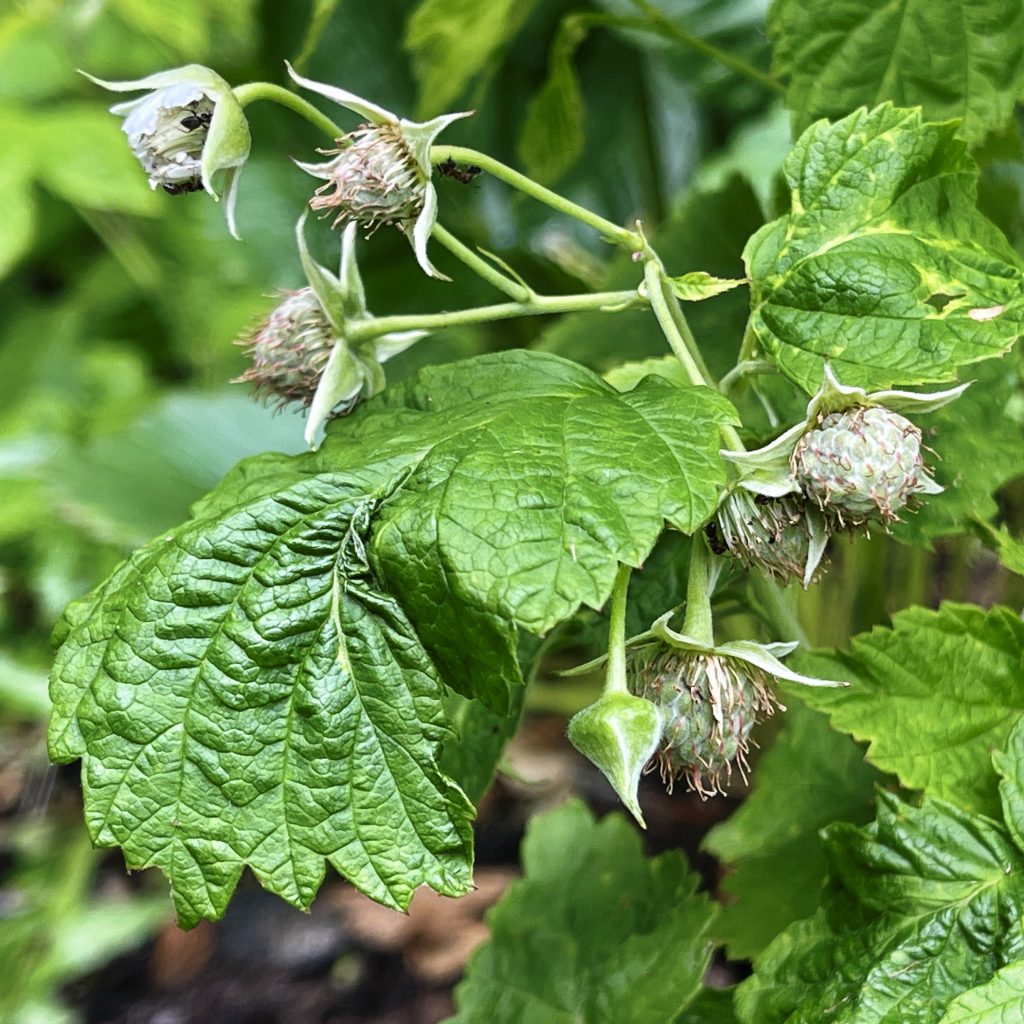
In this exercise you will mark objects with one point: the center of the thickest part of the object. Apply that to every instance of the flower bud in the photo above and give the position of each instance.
(710, 703)
(381, 173)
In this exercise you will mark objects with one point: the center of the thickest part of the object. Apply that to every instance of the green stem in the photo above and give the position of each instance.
(252, 92)
(697, 622)
(538, 305)
(669, 29)
(746, 368)
(513, 289)
(679, 336)
(618, 235)
(615, 675)
(777, 609)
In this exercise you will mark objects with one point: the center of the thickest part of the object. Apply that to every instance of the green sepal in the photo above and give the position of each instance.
(619, 734)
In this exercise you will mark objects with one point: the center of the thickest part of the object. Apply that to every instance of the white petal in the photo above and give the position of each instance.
(388, 345)
(419, 137)
(341, 381)
(325, 285)
(349, 100)
(421, 232)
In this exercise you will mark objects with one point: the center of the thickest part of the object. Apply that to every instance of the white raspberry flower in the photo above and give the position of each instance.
(186, 129)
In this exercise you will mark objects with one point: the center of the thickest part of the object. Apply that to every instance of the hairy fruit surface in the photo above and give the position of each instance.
(710, 704)
(862, 464)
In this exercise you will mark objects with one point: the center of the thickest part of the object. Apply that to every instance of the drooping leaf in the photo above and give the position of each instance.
(242, 692)
(925, 903)
(525, 516)
(935, 694)
(594, 933)
(263, 685)
(883, 265)
(812, 776)
(451, 41)
(954, 59)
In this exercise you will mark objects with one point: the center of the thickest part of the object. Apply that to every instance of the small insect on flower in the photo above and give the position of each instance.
(450, 169)
(187, 128)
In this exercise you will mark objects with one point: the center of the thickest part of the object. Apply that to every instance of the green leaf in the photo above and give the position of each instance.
(954, 59)
(712, 1006)
(628, 375)
(812, 776)
(242, 693)
(699, 284)
(883, 266)
(263, 685)
(979, 446)
(1000, 1000)
(18, 225)
(82, 156)
(925, 903)
(594, 933)
(22, 690)
(521, 517)
(1010, 549)
(451, 41)
(1009, 763)
(551, 138)
(935, 695)
(472, 755)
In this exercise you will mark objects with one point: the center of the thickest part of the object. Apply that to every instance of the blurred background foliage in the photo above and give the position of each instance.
(120, 308)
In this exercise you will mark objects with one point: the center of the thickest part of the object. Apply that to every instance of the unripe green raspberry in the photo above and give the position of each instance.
(710, 704)
(775, 535)
(862, 464)
(290, 350)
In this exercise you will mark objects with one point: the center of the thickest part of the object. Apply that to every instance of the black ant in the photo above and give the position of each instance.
(450, 169)
(196, 119)
(179, 188)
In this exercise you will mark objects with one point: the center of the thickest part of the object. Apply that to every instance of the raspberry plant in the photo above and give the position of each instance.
(318, 669)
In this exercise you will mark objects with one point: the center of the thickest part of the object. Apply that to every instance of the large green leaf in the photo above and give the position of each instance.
(263, 685)
(883, 265)
(520, 516)
(1000, 1000)
(925, 904)
(935, 695)
(812, 776)
(952, 58)
(242, 693)
(594, 934)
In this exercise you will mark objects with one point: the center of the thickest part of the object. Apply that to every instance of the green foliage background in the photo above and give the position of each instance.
(116, 415)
